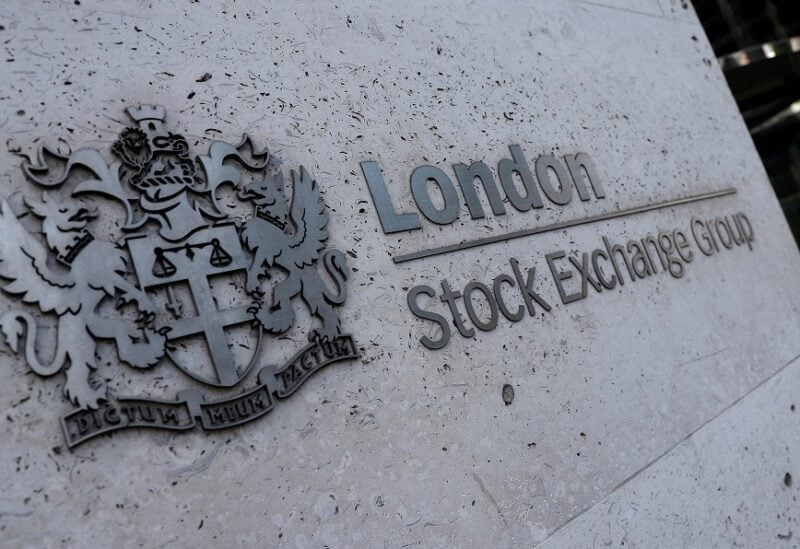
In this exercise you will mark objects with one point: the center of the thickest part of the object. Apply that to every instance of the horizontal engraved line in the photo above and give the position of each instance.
(431, 252)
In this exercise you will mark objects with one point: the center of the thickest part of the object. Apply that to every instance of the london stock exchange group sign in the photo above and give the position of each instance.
(177, 239)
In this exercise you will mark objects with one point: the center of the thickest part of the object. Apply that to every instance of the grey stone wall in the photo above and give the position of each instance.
(657, 413)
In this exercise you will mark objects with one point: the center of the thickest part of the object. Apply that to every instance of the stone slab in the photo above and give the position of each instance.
(409, 445)
(727, 484)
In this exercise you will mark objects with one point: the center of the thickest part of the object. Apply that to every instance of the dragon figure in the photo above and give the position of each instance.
(91, 271)
(292, 239)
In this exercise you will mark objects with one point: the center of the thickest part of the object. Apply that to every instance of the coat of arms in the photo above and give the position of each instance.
(150, 292)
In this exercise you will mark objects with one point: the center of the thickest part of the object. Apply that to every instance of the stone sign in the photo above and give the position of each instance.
(475, 275)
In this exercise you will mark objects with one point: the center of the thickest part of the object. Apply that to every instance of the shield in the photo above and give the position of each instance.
(187, 268)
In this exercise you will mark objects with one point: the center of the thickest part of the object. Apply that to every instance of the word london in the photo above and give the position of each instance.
(512, 294)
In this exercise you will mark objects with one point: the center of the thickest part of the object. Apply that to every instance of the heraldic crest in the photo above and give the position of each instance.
(153, 292)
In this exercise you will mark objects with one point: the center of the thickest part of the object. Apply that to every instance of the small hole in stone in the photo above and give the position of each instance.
(508, 394)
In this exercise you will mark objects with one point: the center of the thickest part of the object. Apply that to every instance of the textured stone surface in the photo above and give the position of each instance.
(411, 446)
(726, 485)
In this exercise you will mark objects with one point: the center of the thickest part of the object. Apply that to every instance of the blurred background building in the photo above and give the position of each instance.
(757, 43)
